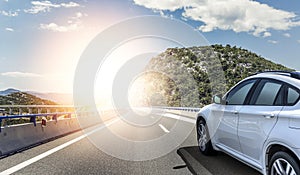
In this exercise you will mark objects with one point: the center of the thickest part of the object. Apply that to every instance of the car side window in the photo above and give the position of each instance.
(238, 95)
(268, 94)
(292, 96)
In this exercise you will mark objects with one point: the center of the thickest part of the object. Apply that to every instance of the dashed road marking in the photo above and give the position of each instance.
(164, 128)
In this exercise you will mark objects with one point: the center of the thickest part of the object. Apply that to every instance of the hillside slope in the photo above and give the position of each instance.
(22, 98)
(201, 62)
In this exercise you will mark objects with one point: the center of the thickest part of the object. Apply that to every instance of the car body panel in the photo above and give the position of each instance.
(247, 132)
(254, 126)
(240, 156)
(227, 131)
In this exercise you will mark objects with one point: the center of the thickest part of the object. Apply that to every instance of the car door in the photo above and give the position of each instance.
(258, 117)
(226, 134)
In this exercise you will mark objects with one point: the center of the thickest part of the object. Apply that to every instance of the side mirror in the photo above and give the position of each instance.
(217, 99)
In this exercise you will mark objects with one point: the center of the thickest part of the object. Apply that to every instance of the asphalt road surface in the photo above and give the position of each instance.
(77, 154)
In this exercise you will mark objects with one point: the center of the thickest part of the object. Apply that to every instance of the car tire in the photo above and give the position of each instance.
(283, 163)
(203, 138)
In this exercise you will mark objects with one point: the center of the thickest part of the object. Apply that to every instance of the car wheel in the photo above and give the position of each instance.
(283, 164)
(203, 138)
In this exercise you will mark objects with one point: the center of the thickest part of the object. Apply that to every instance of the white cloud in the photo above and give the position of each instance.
(273, 41)
(237, 15)
(46, 6)
(298, 41)
(79, 15)
(171, 5)
(9, 13)
(20, 74)
(9, 29)
(73, 24)
(287, 35)
(40, 6)
(57, 28)
(70, 4)
(267, 34)
(44, 3)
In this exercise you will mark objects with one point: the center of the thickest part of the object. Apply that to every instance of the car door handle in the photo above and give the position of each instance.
(269, 116)
(235, 112)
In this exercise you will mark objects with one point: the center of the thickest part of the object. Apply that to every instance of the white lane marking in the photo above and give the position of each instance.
(179, 117)
(164, 128)
(49, 152)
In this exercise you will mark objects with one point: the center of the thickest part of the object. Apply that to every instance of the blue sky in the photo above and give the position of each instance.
(41, 41)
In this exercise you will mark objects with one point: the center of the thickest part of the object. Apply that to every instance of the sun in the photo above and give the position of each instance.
(123, 67)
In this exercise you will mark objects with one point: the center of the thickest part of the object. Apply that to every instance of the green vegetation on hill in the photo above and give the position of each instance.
(240, 63)
(22, 98)
(207, 65)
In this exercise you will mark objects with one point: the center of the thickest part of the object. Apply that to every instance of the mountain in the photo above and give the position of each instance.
(176, 89)
(8, 91)
(22, 98)
(60, 98)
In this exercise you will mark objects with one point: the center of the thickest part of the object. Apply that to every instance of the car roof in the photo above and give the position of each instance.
(282, 76)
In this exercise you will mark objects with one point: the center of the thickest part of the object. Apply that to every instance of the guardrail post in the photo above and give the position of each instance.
(10, 111)
(0, 124)
(39, 110)
(20, 111)
(33, 120)
(48, 110)
(54, 117)
(44, 121)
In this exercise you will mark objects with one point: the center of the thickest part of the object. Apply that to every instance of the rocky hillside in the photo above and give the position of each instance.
(207, 66)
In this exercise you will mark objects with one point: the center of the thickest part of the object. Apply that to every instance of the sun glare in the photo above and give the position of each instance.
(132, 56)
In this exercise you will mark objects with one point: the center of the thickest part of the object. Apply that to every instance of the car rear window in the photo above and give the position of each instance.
(292, 96)
(268, 94)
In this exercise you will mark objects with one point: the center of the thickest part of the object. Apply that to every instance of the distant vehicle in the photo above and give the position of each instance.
(256, 122)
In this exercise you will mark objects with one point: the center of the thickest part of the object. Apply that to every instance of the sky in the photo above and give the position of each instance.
(42, 41)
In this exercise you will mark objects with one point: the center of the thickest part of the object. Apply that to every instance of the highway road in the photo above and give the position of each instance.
(78, 154)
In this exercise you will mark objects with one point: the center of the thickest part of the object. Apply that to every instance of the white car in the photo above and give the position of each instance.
(256, 122)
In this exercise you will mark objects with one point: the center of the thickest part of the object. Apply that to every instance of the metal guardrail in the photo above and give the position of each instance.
(33, 117)
(11, 109)
(189, 109)
(36, 106)
(9, 114)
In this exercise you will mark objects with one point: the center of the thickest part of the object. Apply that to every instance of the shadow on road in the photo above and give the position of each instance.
(221, 164)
